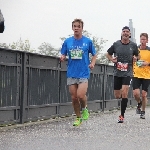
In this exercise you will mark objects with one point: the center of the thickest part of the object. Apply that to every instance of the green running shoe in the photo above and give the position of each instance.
(85, 114)
(77, 122)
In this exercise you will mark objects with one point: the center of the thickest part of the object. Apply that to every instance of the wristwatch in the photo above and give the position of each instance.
(149, 64)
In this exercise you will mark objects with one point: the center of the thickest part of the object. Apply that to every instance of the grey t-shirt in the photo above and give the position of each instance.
(124, 53)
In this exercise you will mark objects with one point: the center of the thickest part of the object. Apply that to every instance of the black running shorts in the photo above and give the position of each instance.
(138, 82)
(119, 81)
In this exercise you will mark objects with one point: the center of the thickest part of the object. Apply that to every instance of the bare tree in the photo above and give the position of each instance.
(19, 45)
(47, 49)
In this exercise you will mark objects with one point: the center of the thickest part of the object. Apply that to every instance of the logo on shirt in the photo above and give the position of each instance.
(84, 44)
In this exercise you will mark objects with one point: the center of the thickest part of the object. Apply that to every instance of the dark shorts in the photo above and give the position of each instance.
(137, 82)
(119, 81)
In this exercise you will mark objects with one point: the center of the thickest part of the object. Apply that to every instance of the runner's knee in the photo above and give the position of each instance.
(117, 95)
(81, 96)
(136, 93)
(144, 94)
(74, 98)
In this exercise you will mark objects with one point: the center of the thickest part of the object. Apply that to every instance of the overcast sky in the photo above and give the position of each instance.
(48, 20)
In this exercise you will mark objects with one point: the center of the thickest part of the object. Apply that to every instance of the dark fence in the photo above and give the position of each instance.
(33, 87)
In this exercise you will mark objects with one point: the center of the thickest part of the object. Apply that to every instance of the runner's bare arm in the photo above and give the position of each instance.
(93, 59)
(111, 58)
(136, 54)
(92, 64)
(110, 53)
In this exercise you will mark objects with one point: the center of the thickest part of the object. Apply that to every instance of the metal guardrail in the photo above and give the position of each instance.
(33, 87)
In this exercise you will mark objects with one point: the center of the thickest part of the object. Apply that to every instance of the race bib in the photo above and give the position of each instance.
(122, 66)
(76, 54)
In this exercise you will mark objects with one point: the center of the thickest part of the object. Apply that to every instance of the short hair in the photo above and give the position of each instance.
(144, 34)
(78, 20)
(126, 27)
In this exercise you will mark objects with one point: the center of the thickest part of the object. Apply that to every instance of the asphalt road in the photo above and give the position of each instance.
(100, 132)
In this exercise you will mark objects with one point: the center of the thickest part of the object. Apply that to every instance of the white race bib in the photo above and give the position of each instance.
(122, 66)
(76, 54)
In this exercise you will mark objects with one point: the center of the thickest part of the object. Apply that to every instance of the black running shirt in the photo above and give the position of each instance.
(124, 53)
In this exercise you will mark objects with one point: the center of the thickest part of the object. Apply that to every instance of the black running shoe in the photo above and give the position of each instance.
(138, 109)
(142, 116)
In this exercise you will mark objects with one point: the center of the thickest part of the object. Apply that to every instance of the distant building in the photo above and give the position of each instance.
(132, 31)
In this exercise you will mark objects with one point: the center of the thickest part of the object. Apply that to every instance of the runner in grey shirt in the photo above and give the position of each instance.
(125, 53)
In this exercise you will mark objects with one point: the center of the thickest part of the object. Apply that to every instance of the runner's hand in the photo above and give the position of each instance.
(62, 57)
(134, 58)
(145, 63)
(91, 66)
(114, 59)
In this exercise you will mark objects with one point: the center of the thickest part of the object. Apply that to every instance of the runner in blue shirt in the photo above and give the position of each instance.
(78, 48)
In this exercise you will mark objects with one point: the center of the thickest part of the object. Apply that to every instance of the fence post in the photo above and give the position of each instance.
(59, 85)
(104, 87)
(23, 88)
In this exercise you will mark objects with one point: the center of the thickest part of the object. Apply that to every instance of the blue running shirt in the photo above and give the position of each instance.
(78, 51)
